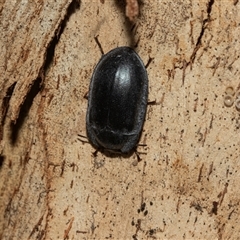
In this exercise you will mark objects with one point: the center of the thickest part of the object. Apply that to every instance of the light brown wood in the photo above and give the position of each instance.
(132, 9)
(185, 187)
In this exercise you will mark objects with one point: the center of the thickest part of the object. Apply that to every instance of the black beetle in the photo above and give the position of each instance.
(117, 100)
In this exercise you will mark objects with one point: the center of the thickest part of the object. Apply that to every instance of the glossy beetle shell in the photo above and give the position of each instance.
(117, 100)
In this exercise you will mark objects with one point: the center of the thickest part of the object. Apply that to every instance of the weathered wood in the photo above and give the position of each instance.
(186, 185)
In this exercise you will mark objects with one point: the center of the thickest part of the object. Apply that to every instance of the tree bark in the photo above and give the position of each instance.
(186, 184)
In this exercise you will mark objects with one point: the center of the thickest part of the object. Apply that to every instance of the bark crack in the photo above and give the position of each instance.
(199, 40)
(5, 106)
(204, 26)
(72, 8)
(37, 84)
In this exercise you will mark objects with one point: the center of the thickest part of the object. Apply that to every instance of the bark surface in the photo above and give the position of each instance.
(186, 185)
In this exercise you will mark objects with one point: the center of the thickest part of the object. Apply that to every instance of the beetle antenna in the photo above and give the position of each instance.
(99, 44)
(136, 43)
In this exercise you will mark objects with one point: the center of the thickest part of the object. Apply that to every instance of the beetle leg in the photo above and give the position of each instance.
(86, 95)
(95, 152)
(154, 102)
(149, 61)
(82, 136)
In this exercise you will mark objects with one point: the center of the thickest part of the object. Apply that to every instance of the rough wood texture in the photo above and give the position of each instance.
(185, 187)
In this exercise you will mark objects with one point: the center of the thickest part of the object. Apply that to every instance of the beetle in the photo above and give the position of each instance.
(117, 101)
